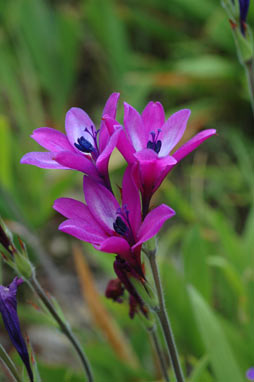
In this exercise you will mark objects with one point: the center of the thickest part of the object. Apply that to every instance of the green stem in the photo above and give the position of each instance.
(63, 326)
(250, 77)
(160, 355)
(164, 320)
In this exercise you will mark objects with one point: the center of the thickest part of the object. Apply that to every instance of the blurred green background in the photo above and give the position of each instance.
(59, 54)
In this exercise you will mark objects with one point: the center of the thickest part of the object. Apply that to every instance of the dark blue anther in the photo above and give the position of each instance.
(84, 145)
(154, 144)
(244, 8)
(119, 226)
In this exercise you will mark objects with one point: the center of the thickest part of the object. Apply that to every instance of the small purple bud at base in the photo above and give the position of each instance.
(115, 290)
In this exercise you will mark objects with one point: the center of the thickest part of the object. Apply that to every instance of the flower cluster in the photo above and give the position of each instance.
(146, 142)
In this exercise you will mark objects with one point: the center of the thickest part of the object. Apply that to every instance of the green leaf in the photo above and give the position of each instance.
(222, 359)
(9, 364)
(230, 273)
(195, 263)
(229, 239)
(248, 236)
(5, 153)
(110, 33)
(199, 369)
(206, 67)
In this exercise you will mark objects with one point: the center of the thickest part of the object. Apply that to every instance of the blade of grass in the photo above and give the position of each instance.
(222, 359)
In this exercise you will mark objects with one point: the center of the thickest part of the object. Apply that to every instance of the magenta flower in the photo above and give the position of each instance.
(148, 139)
(108, 226)
(83, 148)
(116, 229)
(8, 309)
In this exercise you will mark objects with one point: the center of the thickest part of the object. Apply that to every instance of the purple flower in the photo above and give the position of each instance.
(148, 140)
(244, 7)
(109, 226)
(8, 309)
(250, 374)
(83, 148)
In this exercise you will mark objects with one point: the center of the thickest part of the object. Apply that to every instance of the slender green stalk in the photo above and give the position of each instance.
(63, 326)
(7, 361)
(153, 333)
(164, 320)
(249, 68)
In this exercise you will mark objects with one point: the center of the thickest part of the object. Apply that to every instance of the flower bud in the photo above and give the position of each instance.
(23, 266)
(6, 239)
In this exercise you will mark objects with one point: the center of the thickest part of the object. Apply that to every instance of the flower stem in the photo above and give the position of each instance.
(160, 355)
(164, 320)
(63, 325)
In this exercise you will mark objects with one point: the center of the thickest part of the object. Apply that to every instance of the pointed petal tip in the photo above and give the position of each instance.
(127, 107)
(169, 210)
(62, 226)
(73, 109)
(23, 159)
(57, 203)
(115, 95)
(16, 282)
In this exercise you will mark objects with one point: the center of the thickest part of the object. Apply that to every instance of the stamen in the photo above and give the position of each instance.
(87, 147)
(122, 224)
(119, 226)
(154, 144)
(84, 145)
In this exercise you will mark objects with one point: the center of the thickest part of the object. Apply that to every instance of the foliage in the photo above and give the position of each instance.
(54, 55)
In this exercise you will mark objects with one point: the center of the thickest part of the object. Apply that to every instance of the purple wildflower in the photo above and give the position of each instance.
(114, 228)
(107, 225)
(148, 140)
(244, 7)
(250, 374)
(8, 309)
(83, 148)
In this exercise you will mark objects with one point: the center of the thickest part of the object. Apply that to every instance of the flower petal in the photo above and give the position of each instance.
(101, 203)
(153, 118)
(151, 168)
(51, 139)
(173, 130)
(110, 110)
(131, 198)
(193, 143)
(83, 230)
(42, 160)
(103, 158)
(116, 245)
(78, 162)
(72, 209)
(134, 127)
(153, 223)
(76, 121)
(111, 105)
(124, 144)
